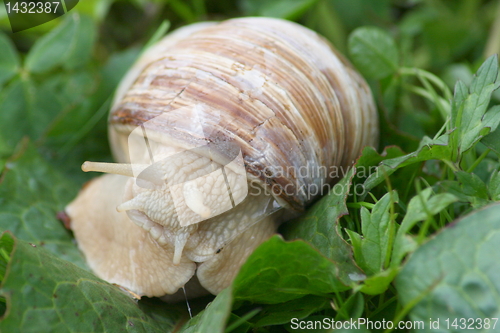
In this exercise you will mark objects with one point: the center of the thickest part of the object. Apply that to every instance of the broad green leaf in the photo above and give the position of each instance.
(378, 235)
(274, 273)
(27, 110)
(15, 99)
(287, 9)
(373, 52)
(9, 59)
(456, 274)
(46, 293)
(31, 194)
(283, 313)
(69, 45)
(421, 207)
(214, 317)
(319, 227)
(83, 119)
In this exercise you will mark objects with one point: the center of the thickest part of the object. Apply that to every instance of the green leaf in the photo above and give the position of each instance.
(6, 246)
(352, 308)
(45, 292)
(69, 45)
(373, 52)
(492, 141)
(283, 313)
(378, 283)
(369, 158)
(472, 185)
(9, 59)
(29, 109)
(214, 317)
(31, 194)
(470, 114)
(494, 186)
(378, 234)
(428, 149)
(274, 273)
(421, 207)
(319, 227)
(455, 274)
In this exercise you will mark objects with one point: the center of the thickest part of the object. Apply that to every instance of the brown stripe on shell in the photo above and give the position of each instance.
(275, 87)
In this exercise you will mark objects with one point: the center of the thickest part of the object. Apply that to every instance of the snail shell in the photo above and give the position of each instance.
(273, 107)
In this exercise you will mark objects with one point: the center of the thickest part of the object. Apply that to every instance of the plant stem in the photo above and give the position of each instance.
(478, 160)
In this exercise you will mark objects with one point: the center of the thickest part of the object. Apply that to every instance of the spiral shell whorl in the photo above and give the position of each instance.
(278, 89)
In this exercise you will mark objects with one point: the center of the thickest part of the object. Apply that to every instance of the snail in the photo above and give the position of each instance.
(221, 132)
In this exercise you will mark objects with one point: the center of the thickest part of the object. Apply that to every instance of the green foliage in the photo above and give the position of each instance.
(32, 193)
(54, 289)
(69, 46)
(275, 274)
(9, 60)
(374, 52)
(391, 241)
(455, 274)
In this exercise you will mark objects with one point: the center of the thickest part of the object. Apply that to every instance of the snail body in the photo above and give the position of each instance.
(220, 130)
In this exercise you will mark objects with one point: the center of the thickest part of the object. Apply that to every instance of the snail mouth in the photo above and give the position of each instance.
(162, 235)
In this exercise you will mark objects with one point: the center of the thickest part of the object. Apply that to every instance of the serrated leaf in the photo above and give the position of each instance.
(472, 185)
(9, 59)
(460, 94)
(373, 52)
(214, 317)
(421, 207)
(378, 233)
(69, 45)
(46, 293)
(274, 273)
(485, 75)
(470, 114)
(319, 227)
(455, 274)
(457, 189)
(31, 194)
